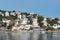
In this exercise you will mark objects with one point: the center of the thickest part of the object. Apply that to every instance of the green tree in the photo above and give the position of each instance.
(51, 22)
(40, 19)
(56, 19)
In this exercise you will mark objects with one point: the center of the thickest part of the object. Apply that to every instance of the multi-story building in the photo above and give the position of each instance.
(24, 19)
(35, 21)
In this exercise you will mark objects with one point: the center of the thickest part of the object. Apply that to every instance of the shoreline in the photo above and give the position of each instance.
(29, 31)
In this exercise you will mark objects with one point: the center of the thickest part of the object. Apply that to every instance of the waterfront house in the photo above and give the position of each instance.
(35, 23)
(27, 27)
(14, 28)
(56, 26)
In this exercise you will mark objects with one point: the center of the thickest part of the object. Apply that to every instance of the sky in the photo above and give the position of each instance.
(49, 8)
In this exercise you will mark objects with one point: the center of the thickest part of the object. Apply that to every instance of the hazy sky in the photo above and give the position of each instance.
(49, 8)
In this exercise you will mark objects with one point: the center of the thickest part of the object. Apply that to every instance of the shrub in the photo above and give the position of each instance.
(48, 27)
(58, 28)
(31, 28)
(1, 23)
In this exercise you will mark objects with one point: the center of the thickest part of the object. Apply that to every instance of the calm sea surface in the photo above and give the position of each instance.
(29, 35)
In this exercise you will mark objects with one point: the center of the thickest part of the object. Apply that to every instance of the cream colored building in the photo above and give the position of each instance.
(35, 23)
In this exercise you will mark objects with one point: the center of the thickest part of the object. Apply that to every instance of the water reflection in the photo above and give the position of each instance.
(29, 36)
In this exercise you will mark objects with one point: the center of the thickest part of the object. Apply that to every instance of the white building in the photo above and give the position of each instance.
(27, 27)
(44, 21)
(24, 19)
(19, 16)
(35, 23)
(55, 26)
(6, 13)
(6, 21)
(12, 13)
